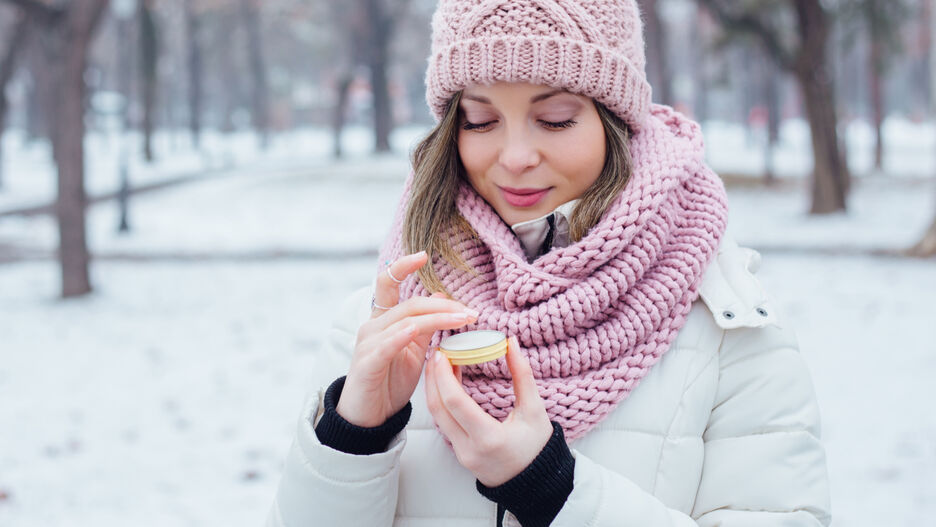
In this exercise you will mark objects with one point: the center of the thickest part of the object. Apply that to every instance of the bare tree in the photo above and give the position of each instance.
(349, 16)
(250, 12)
(149, 55)
(770, 86)
(380, 18)
(379, 33)
(927, 244)
(7, 68)
(807, 60)
(880, 23)
(193, 23)
(67, 32)
(658, 65)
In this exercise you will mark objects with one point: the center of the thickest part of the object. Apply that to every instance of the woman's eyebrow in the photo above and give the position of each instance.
(544, 96)
(535, 98)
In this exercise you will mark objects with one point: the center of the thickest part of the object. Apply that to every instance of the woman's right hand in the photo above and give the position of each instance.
(391, 346)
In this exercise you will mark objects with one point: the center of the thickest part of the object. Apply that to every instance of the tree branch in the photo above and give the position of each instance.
(746, 22)
(38, 10)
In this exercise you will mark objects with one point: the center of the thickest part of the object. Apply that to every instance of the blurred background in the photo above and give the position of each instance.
(188, 188)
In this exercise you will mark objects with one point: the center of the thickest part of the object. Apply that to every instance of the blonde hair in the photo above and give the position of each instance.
(432, 220)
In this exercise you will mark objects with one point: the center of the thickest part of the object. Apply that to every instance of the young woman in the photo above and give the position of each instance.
(648, 379)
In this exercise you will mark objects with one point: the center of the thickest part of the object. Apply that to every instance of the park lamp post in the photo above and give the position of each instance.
(124, 11)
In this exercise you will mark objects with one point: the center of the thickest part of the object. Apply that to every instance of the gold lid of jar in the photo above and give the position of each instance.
(474, 347)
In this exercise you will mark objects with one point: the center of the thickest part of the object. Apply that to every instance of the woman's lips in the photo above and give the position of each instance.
(523, 197)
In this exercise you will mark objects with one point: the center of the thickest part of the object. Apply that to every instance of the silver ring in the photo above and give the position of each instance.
(393, 277)
(374, 305)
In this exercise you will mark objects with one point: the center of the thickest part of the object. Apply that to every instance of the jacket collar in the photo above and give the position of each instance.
(731, 290)
(532, 234)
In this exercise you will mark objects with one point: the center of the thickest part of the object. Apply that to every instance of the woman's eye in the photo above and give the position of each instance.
(476, 126)
(558, 125)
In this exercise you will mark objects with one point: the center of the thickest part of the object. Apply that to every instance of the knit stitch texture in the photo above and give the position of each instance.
(595, 316)
(591, 47)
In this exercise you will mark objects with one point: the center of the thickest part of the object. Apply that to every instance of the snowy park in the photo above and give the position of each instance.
(169, 396)
(189, 190)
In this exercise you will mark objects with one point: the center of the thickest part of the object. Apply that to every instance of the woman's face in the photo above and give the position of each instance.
(528, 149)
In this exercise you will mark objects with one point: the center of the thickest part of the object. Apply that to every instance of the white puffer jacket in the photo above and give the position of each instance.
(723, 431)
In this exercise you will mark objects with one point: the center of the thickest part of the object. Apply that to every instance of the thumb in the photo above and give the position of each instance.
(523, 382)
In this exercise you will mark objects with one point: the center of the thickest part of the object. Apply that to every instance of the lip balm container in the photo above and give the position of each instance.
(474, 347)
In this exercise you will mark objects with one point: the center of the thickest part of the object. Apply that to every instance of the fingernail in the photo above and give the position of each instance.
(472, 313)
(419, 254)
(461, 317)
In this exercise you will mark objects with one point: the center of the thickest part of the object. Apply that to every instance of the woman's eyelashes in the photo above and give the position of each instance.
(568, 123)
(477, 126)
(552, 125)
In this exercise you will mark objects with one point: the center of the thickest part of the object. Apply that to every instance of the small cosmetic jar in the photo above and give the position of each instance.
(474, 347)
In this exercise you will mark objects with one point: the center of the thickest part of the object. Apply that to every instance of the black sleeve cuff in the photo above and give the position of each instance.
(536, 495)
(334, 432)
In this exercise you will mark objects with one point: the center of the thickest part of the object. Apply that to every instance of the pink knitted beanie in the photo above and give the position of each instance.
(590, 47)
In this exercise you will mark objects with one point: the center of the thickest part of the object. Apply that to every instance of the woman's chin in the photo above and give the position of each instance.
(514, 215)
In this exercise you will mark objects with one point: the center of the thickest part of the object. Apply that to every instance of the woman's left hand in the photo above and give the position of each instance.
(493, 451)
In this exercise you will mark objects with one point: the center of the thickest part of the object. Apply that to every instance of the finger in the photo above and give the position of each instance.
(429, 324)
(475, 421)
(423, 306)
(395, 342)
(387, 291)
(446, 423)
(525, 390)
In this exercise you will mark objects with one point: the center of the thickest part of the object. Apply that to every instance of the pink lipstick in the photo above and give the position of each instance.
(523, 197)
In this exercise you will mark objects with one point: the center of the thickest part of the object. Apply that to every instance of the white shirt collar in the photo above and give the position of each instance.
(532, 234)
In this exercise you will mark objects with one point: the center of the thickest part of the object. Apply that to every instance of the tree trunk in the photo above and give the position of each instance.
(927, 244)
(377, 62)
(749, 100)
(877, 99)
(926, 247)
(67, 43)
(37, 118)
(7, 68)
(193, 31)
(657, 64)
(830, 181)
(699, 53)
(260, 92)
(149, 55)
(340, 109)
(230, 72)
(771, 86)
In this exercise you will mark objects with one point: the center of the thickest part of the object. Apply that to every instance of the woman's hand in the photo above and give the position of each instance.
(493, 451)
(391, 346)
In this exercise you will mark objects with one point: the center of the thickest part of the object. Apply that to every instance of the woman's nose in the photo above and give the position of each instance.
(519, 152)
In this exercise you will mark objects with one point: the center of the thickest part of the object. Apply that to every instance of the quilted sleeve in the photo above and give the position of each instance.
(764, 464)
(320, 485)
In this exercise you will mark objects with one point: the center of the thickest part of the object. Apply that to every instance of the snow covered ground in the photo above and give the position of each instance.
(169, 396)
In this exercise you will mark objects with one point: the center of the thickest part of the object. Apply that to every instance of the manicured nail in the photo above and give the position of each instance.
(460, 317)
(472, 313)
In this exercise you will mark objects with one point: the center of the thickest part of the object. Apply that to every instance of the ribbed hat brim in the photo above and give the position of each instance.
(577, 66)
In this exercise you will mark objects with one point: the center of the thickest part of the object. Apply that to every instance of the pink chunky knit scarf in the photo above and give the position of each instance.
(595, 316)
